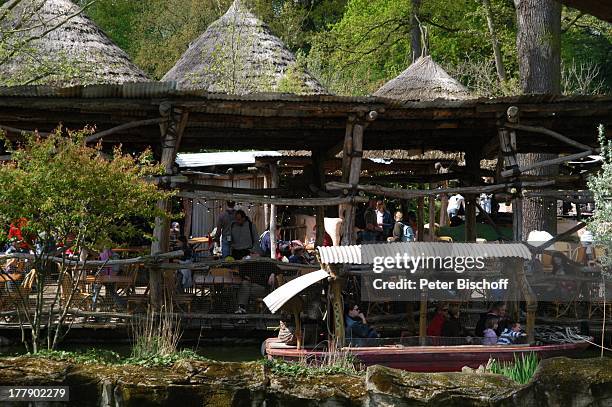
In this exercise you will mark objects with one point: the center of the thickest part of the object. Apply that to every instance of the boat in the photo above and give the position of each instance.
(414, 353)
(427, 358)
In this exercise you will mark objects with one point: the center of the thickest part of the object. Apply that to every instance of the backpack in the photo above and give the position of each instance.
(407, 233)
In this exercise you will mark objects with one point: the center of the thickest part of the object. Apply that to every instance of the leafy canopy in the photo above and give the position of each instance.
(69, 190)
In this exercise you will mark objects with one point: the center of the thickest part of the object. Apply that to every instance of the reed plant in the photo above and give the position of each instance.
(156, 335)
(521, 370)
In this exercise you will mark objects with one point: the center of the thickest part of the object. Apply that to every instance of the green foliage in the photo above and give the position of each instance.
(91, 356)
(300, 369)
(108, 357)
(600, 184)
(521, 370)
(65, 188)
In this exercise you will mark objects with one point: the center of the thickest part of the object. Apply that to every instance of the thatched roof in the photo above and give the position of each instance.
(423, 80)
(74, 51)
(238, 54)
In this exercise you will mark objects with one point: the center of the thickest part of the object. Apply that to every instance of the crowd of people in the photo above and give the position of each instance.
(377, 224)
(493, 328)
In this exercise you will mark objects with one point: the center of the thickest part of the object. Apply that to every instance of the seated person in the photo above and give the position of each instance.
(452, 326)
(298, 255)
(437, 322)
(497, 310)
(511, 335)
(356, 325)
(489, 334)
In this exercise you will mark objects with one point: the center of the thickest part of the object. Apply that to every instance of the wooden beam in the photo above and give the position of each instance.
(543, 247)
(187, 186)
(517, 171)
(20, 131)
(416, 193)
(274, 200)
(554, 134)
(420, 219)
(123, 127)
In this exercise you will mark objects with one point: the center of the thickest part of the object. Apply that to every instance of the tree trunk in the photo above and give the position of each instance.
(539, 45)
(499, 63)
(539, 51)
(415, 31)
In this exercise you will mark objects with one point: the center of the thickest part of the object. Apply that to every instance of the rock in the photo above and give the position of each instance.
(391, 387)
(327, 391)
(573, 382)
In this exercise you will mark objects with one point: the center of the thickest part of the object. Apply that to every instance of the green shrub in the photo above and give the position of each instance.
(521, 370)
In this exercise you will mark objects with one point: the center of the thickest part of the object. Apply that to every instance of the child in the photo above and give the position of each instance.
(490, 337)
(510, 335)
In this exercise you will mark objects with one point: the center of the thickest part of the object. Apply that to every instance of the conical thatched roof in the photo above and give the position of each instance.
(56, 45)
(238, 54)
(423, 80)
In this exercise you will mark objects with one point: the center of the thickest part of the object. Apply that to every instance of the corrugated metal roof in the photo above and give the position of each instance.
(340, 254)
(222, 158)
(364, 254)
(277, 298)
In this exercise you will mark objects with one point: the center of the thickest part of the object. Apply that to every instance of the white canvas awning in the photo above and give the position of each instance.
(277, 298)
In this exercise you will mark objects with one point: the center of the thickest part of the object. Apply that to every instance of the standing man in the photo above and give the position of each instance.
(244, 236)
(455, 204)
(384, 220)
(223, 235)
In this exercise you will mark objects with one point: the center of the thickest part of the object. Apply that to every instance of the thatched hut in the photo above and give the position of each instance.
(423, 80)
(51, 42)
(238, 54)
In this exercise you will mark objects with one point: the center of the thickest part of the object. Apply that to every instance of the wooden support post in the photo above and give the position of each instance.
(353, 179)
(266, 182)
(298, 329)
(188, 210)
(337, 339)
(472, 163)
(318, 161)
(432, 217)
(420, 218)
(172, 130)
(423, 319)
(273, 184)
(530, 299)
(410, 316)
(444, 208)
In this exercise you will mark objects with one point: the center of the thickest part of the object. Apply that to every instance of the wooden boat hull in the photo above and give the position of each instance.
(430, 358)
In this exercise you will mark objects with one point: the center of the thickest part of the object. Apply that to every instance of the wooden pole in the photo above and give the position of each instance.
(530, 299)
(273, 208)
(420, 219)
(472, 163)
(355, 171)
(266, 206)
(335, 292)
(171, 130)
(188, 209)
(423, 319)
(318, 161)
(432, 217)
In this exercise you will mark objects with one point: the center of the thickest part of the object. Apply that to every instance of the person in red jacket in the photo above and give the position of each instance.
(437, 322)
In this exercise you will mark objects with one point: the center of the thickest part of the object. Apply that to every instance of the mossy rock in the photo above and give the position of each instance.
(573, 382)
(320, 390)
(33, 371)
(391, 387)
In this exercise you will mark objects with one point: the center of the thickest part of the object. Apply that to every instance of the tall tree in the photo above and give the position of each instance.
(415, 31)
(539, 53)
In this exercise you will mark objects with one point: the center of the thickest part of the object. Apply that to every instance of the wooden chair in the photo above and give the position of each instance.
(18, 295)
(80, 300)
(180, 300)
